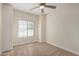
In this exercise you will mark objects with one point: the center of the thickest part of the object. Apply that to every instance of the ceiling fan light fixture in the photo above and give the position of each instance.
(41, 7)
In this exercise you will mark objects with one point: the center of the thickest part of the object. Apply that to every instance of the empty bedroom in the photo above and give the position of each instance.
(39, 29)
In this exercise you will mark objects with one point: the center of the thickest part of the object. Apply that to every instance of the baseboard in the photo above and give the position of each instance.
(8, 49)
(24, 43)
(69, 50)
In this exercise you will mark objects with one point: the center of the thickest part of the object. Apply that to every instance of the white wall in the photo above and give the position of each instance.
(42, 28)
(62, 27)
(0, 27)
(7, 27)
(20, 15)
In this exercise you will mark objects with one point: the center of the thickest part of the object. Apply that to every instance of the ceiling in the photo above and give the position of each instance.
(27, 6)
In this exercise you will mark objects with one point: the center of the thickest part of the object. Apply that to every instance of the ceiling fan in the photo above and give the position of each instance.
(41, 6)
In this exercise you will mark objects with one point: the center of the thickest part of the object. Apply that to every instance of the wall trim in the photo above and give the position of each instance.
(69, 50)
(8, 49)
(24, 43)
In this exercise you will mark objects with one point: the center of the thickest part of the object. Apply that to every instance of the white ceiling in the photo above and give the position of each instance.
(27, 6)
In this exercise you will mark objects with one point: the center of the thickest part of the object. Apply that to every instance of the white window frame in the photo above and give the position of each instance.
(27, 32)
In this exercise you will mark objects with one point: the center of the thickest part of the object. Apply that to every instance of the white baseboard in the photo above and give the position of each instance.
(59, 46)
(7, 49)
(21, 43)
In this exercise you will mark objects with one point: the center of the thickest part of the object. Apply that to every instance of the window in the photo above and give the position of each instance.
(25, 28)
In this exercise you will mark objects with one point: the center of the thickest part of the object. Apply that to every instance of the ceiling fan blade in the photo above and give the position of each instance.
(53, 7)
(34, 8)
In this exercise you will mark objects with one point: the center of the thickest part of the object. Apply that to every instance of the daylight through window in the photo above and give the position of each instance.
(25, 28)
